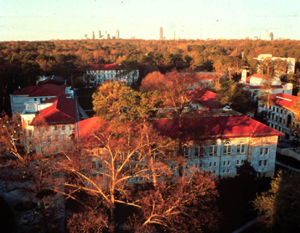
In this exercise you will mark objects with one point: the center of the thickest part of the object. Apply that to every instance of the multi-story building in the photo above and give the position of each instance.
(218, 141)
(49, 126)
(280, 114)
(161, 34)
(222, 140)
(254, 84)
(98, 74)
(291, 62)
(37, 94)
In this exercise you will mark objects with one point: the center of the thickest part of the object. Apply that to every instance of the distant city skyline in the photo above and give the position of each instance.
(195, 19)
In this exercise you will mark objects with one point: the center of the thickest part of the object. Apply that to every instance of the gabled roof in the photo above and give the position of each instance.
(42, 90)
(201, 128)
(285, 100)
(205, 98)
(63, 111)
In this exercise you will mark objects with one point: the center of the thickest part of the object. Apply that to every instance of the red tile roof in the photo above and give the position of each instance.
(215, 127)
(196, 129)
(105, 67)
(43, 90)
(63, 111)
(205, 98)
(285, 100)
(87, 127)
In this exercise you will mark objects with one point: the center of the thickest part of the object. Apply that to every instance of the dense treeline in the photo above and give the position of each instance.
(21, 62)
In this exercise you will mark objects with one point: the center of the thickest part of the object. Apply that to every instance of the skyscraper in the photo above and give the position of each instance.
(161, 35)
(93, 35)
(99, 34)
(117, 34)
(267, 35)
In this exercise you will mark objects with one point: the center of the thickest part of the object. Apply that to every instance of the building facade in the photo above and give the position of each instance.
(37, 94)
(49, 126)
(280, 114)
(217, 143)
(98, 74)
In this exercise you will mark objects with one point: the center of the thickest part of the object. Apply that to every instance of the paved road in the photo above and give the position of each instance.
(286, 166)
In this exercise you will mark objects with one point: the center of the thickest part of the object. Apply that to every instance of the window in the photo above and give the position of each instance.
(260, 163)
(266, 151)
(227, 148)
(227, 170)
(238, 162)
(215, 164)
(29, 133)
(210, 163)
(224, 163)
(261, 151)
(265, 162)
(200, 165)
(94, 165)
(185, 151)
(213, 149)
(63, 127)
(241, 147)
(228, 163)
(199, 150)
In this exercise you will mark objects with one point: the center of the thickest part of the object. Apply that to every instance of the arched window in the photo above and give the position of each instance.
(227, 148)
(241, 147)
(213, 149)
(185, 151)
(199, 151)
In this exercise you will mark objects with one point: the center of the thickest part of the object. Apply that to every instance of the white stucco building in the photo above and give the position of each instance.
(37, 94)
(98, 74)
(281, 113)
(49, 125)
(290, 62)
(254, 84)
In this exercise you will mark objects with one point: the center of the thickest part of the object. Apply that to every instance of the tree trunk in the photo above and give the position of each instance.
(154, 179)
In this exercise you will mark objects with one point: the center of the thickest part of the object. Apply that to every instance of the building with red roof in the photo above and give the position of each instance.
(97, 74)
(281, 113)
(217, 143)
(49, 125)
(254, 83)
(204, 99)
(38, 94)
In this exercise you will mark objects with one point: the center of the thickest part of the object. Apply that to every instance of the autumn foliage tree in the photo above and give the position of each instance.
(185, 205)
(174, 88)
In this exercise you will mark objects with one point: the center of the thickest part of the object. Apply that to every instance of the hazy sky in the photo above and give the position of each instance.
(190, 19)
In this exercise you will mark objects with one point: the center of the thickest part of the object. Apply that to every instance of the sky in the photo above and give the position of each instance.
(190, 19)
